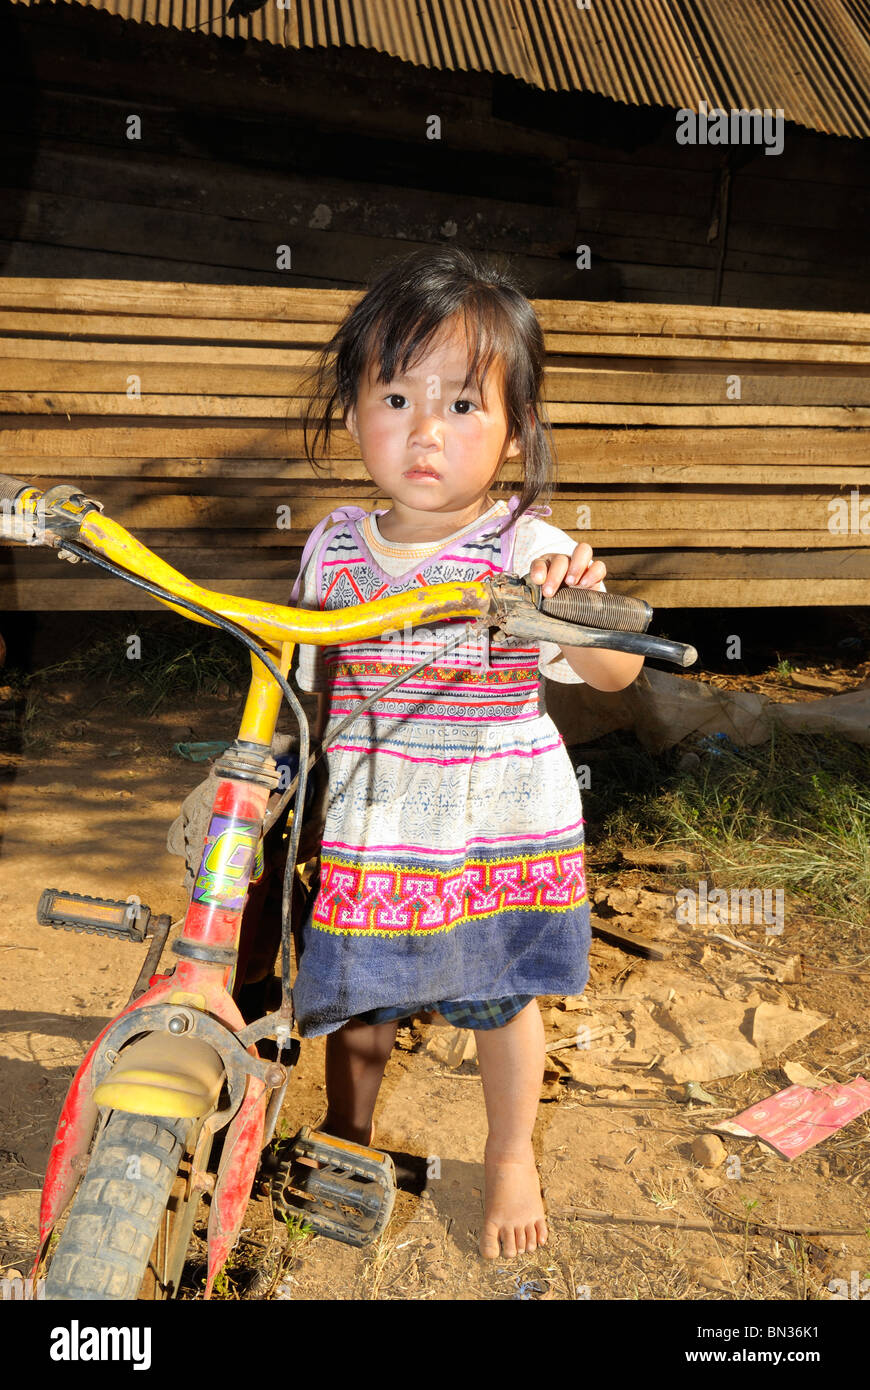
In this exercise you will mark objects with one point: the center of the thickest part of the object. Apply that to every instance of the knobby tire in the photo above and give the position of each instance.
(105, 1249)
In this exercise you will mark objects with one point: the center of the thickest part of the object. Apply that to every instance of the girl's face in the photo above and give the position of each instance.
(425, 421)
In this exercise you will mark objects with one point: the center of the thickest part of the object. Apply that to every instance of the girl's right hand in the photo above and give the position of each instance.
(579, 569)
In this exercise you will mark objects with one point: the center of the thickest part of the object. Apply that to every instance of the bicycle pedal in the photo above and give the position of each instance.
(349, 1198)
(126, 921)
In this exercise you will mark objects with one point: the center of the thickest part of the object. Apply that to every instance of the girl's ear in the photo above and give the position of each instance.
(350, 422)
(514, 447)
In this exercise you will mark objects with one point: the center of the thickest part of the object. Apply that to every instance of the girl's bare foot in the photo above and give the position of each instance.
(513, 1218)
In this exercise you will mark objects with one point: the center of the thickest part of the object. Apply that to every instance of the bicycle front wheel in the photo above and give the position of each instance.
(129, 1217)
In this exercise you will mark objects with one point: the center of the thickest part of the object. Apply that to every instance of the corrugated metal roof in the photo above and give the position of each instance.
(810, 58)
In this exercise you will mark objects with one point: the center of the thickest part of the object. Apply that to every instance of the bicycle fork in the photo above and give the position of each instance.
(187, 1045)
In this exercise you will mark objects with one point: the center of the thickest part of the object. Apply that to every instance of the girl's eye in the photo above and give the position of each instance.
(397, 396)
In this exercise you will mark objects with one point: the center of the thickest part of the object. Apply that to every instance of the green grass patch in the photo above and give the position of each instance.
(793, 813)
(170, 662)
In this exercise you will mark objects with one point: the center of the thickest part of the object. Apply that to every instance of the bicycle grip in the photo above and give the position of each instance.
(592, 608)
(10, 487)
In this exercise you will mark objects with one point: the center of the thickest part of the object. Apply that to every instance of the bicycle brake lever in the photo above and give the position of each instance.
(61, 511)
(44, 518)
(520, 611)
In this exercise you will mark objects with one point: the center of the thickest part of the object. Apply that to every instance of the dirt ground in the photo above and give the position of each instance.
(632, 1214)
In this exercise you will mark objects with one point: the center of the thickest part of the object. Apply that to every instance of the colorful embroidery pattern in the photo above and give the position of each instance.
(385, 900)
(446, 675)
(505, 693)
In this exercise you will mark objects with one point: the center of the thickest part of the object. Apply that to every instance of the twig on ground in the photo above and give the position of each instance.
(590, 1214)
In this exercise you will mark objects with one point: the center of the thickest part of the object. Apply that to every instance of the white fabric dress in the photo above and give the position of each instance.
(452, 863)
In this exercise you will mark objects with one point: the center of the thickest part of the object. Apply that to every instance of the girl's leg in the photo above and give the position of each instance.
(511, 1062)
(356, 1058)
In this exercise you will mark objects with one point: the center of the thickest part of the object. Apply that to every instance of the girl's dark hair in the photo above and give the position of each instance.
(392, 325)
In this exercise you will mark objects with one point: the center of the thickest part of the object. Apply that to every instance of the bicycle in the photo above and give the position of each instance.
(177, 1075)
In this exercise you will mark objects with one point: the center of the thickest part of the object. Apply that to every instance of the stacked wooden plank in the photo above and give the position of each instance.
(245, 146)
(715, 457)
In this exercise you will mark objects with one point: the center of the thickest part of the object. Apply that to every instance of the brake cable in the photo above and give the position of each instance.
(273, 815)
(226, 625)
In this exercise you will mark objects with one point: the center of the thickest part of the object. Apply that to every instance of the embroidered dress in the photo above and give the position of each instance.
(452, 861)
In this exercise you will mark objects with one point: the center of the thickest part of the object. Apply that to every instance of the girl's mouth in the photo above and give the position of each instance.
(415, 473)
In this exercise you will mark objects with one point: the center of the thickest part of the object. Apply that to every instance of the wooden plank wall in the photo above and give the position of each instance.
(243, 148)
(695, 498)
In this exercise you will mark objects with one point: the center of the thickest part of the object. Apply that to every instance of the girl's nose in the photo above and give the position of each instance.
(426, 429)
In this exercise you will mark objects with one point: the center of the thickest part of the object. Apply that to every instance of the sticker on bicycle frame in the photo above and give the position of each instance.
(228, 858)
(259, 864)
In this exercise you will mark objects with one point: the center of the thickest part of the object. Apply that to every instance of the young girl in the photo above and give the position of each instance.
(451, 872)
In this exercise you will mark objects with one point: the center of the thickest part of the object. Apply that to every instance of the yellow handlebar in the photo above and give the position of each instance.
(577, 618)
(65, 511)
(276, 623)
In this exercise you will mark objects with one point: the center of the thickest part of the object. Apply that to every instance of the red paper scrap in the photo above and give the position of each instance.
(799, 1117)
